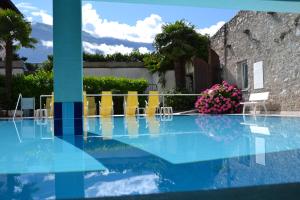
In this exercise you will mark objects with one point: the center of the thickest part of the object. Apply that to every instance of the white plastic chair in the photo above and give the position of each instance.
(256, 99)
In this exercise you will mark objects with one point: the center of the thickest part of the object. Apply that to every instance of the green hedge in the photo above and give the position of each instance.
(94, 85)
(41, 82)
(180, 103)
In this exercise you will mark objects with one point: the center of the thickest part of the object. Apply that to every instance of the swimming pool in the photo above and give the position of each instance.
(149, 157)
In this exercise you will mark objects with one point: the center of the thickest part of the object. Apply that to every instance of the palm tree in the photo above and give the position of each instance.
(179, 42)
(15, 32)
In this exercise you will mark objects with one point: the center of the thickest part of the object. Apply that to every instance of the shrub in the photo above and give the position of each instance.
(180, 103)
(220, 99)
(134, 56)
(94, 85)
(41, 82)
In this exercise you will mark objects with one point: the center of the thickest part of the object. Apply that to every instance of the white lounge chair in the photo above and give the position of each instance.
(256, 99)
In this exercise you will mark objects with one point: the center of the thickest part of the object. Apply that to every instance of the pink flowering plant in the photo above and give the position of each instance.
(220, 99)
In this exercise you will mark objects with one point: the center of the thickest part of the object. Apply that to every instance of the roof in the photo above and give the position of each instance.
(8, 4)
(255, 5)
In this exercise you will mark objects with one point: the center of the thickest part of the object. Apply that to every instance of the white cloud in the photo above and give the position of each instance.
(26, 6)
(144, 50)
(45, 17)
(49, 177)
(32, 12)
(143, 31)
(106, 49)
(93, 48)
(48, 44)
(29, 19)
(212, 29)
(143, 184)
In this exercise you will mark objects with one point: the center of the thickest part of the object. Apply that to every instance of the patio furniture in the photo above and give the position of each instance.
(256, 99)
(89, 105)
(46, 108)
(166, 111)
(152, 105)
(85, 104)
(41, 113)
(131, 104)
(27, 105)
(106, 105)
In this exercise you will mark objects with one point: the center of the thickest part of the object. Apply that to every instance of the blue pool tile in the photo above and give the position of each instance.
(78, 120)
(68, 118)
(58, 122)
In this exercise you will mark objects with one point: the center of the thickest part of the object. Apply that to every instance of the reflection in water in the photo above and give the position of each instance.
(107, 127)
(260, 151)
(153, 125)
(132, 126)
(166, 118)
(137, 184)
(12, 186)
(259, 129)
(188, 154)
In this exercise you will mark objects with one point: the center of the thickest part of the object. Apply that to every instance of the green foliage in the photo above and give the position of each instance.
(180, 41)
(13, 27)
(94, 85)
(15, 32)
(180, 103)
(134, 56)
(41, 82)
(157, 63)
(48, 64)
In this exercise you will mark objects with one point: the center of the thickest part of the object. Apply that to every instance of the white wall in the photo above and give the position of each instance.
(170, 81)
(133, 70)
(133, 73)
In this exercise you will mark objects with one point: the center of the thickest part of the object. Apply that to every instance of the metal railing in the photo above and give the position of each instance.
(140, 95)
(43, 96)
(15, 112)
(125, 95)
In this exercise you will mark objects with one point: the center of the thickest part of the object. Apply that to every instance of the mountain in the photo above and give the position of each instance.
(44, 34)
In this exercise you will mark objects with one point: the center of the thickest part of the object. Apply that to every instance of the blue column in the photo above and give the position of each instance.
(67, 50)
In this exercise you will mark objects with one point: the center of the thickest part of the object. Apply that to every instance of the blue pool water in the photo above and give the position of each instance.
(142, 156)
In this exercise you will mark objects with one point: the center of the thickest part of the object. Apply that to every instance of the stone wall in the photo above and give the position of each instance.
(273, 38)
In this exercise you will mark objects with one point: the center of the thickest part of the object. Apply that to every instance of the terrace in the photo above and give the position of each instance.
(80, 149)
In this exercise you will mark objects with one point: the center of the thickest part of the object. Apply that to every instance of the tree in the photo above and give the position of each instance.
(179, 42)
(48, 64)
(15, 32)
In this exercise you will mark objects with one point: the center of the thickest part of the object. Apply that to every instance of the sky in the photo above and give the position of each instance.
(133, 22)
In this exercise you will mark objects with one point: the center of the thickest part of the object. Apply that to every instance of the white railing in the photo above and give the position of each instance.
(19, 99)
(125, 95)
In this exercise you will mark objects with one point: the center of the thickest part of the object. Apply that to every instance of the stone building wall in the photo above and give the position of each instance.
(273, 38)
